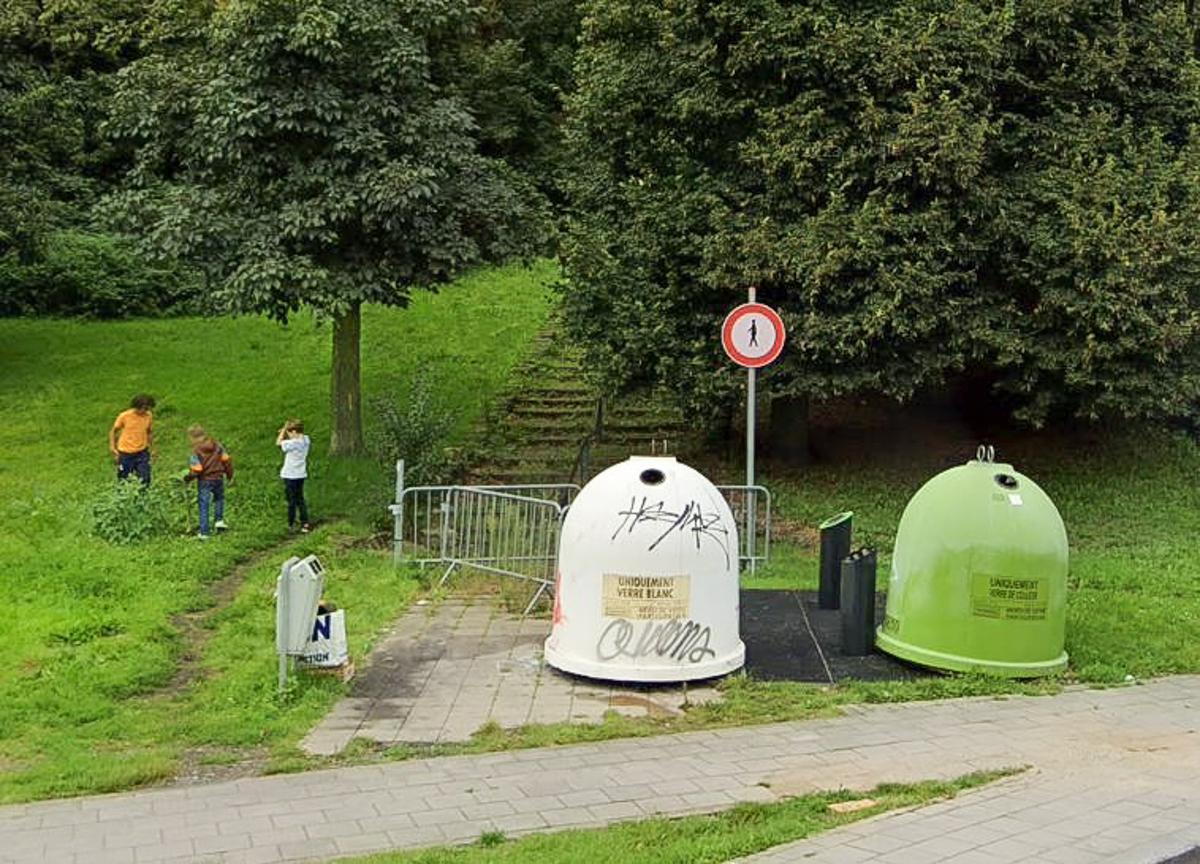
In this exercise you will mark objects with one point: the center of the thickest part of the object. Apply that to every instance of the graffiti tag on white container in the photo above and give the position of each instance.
(691, 519)
(684, 641)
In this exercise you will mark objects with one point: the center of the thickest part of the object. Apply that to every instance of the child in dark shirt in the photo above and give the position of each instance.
(210, 466)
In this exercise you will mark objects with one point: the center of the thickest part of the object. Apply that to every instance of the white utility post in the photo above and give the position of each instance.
(297, 595)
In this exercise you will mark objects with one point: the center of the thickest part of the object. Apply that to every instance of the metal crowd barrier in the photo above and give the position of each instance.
(751, 506)
(507, 530)
(514, 530)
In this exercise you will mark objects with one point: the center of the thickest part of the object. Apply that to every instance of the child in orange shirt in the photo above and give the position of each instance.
(209, 467)
(131, 437)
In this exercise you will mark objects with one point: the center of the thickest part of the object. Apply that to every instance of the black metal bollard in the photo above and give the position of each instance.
(835, 545)
(858, 603)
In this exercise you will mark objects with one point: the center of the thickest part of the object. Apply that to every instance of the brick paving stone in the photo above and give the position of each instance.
(361, 844)
(277, 836)
(221, 843)
(568, 817)
(164, 851)
(437, 817)
(462, 664)
(614, 812)
(520, 822)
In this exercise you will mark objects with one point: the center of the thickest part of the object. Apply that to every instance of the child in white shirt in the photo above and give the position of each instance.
(294, 443)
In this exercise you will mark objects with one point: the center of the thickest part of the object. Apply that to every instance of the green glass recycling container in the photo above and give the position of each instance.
(979, 576)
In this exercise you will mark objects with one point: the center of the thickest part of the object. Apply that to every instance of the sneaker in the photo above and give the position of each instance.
(305, 528)
(201, 536)
(220, 525)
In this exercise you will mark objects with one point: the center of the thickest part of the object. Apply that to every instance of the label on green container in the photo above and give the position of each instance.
(1012, 598)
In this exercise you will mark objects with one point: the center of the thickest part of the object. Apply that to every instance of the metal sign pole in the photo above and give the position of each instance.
(398, 516)
(742, 346)
(751, 410)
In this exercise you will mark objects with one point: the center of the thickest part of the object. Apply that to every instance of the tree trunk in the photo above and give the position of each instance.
(789, 429)
(346, 387)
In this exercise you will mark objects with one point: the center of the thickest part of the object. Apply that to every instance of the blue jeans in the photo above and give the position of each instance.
(214, 490)
(134, 463)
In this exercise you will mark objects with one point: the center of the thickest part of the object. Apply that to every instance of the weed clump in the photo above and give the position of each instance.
(416, 432)
(129, 512)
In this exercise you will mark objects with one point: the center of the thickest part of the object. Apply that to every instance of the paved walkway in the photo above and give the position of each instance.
(447, 669)
(1139, 806)
(1119, 766)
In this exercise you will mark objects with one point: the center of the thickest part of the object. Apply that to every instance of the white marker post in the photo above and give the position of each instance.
(753, 336)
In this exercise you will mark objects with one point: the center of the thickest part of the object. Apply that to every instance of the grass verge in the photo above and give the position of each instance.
(741, 830)
(91, 697)
(1128, 498)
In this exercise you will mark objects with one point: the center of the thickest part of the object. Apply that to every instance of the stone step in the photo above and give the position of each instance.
(558, 389)
(584, 423)
(552, 410)
(513, 459)
(539, 399)
(573, 438)
(548, 416)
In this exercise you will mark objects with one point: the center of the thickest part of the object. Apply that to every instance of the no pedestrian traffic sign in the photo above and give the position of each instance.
(753, 335)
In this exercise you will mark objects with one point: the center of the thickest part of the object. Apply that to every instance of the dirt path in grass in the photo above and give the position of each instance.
(206, 764)
(193, 626)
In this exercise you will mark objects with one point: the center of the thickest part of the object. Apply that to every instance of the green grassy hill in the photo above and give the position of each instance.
(127, 665)
(91, 694)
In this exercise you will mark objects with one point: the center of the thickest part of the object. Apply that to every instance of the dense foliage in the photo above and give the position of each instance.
(514, 70)
(505, 63)
(57, 59)
(94, 275)
(921, 188)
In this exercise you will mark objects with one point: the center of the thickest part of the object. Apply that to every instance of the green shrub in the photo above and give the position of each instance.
(416, 432)
(93, 275)
(128, 512)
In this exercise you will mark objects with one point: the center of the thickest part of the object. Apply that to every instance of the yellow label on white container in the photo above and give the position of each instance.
(644, 598)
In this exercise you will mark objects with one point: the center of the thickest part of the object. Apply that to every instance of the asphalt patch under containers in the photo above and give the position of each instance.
(789, 638)
(1192, 856)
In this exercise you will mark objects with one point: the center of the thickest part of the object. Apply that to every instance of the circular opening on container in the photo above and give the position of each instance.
(1007, 481)
(652, 477)
(834, 521)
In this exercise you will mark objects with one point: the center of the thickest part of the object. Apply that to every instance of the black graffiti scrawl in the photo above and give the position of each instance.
(691, 518)
(679, 640)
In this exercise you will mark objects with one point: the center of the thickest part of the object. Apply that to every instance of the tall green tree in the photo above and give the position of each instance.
(57, 60)
(920, 186)
(514, 71)
(50, 85)
(306, 153)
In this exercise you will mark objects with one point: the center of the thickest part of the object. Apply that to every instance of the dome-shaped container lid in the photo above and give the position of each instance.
(978, 577)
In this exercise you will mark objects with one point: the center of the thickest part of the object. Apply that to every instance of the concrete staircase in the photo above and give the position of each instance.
(552, 426)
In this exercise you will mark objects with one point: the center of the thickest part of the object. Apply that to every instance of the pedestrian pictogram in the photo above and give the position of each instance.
(753, 335)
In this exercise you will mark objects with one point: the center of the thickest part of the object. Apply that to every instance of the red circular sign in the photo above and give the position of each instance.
(753, 335)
